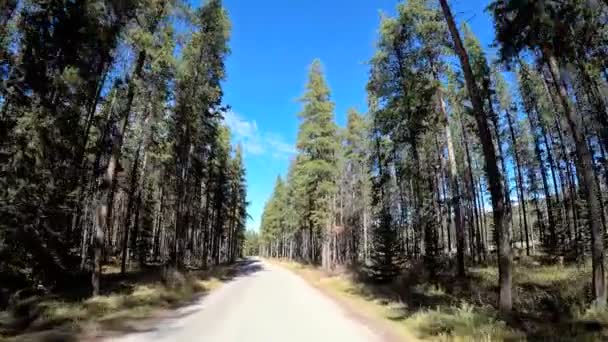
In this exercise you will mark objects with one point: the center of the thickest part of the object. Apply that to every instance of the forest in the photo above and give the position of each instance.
(464, 165)
(114, 154)
(471, 192)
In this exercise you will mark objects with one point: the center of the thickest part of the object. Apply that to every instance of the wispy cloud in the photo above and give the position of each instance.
(278, 145)
(256, 141)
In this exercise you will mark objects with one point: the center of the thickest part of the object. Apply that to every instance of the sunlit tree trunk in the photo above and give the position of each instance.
(589, 186)
(520, 180)
(456, 196)
(505, 258)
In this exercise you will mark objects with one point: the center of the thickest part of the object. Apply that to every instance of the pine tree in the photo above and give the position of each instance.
(195, 122)
(386, 255)
(402, 77)
(500, 211)
(103, 156)
(238, 206)
(64, 52)
(509, 109)
(317, 144)
(522, 26)
(356, 186)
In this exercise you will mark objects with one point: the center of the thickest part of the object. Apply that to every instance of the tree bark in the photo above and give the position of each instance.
(471, 194)
(589, 187)
(109, 191)
(520, 180)
(505, 258)
(543, 174)
(130, 205)
(455, 192)
(101, 225)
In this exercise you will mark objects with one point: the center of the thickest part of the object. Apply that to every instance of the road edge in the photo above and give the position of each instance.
(380, 326)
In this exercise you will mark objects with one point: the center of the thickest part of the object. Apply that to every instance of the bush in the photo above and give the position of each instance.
(464, 322)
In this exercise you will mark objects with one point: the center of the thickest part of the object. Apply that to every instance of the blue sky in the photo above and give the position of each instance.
(273, 42)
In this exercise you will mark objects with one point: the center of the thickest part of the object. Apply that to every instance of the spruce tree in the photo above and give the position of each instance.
(386, 255)
(317, 144)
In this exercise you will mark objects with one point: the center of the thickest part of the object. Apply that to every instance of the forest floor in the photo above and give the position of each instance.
(551, 302)
(131, 302)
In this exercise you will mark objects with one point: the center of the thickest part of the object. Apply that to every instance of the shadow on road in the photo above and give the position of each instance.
(243, 268)
(224, 273)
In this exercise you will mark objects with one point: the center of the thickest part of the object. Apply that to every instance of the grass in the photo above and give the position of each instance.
(465, 322)
(124, 308)
(551, 303)
(352, 294)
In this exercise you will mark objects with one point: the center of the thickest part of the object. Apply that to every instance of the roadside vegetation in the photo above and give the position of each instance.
(130, 303)
(552, 301)
(118, 176)
(470, 199)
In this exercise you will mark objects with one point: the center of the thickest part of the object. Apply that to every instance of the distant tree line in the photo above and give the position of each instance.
(461, 159)
(113, 148)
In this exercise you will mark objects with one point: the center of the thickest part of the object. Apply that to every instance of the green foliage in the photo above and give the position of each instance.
(317, 143)
(304, 204)
(106, 114)
(387, 247)
(465, 323)
(550, 26)
(251, 243)
(63, 52)
(273, 227)
(355, 183)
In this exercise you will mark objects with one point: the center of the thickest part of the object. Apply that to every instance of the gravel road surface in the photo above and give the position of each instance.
(265, 303)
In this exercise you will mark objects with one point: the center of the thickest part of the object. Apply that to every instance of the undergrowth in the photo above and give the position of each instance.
(55, 318)
(551, 302)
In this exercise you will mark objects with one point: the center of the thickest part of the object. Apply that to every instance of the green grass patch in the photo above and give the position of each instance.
(463, 323)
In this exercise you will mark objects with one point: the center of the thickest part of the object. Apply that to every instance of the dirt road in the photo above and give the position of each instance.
(265, 303)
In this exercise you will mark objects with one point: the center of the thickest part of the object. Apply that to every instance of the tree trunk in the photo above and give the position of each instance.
(499, 153)
(130, 205)
(505, 258)
(520, 180)
(480, 242)
(365, 237)
(101, 225)
(534, 121)
(470, 187)
(110, 176)
(596, 99)
(455, 192)
(589, 187)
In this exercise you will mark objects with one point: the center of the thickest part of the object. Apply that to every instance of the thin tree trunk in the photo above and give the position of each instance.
(520, 180)
(597, 101)
(475, 217)
(131, 200)
(365, 237)
(505, 258)
(534, 123)
(101, 226)
(499, 153)
(482, 220)
(589, 187)
(455, 192)
(110, 176)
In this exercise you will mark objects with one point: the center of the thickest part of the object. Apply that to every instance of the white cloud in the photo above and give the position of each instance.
(240, 127)
(256, 141)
